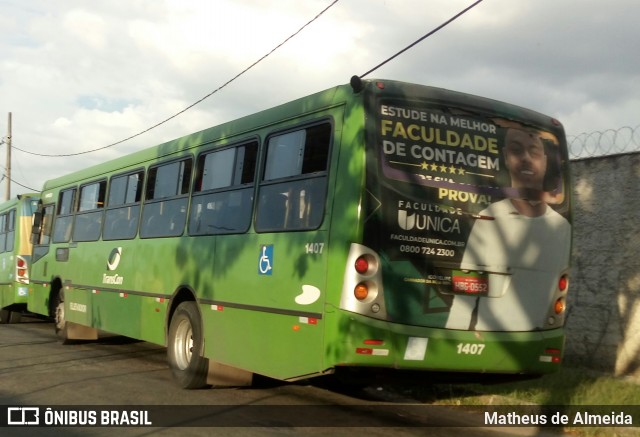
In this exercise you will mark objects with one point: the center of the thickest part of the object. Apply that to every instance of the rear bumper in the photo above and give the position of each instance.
(374, 343)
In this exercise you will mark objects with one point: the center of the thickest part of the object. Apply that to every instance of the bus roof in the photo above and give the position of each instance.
(15, 200)
(227, 132)
(240, 128)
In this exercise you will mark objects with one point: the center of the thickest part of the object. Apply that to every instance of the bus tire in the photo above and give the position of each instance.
(185, 347)
(59, 321)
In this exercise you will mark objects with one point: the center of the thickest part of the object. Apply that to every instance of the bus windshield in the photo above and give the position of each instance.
(473, 214)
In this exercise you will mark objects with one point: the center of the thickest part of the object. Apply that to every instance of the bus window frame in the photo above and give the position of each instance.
(133, 229)
(263, 185)
(67, 216)
(41, 229)
(11, 229)
(232, 188)
(144, 225)
(98, 211)
(4, 230)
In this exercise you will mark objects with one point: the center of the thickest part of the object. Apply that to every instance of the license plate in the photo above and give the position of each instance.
(471, 283)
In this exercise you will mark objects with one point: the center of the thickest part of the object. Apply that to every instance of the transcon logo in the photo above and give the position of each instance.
(114, 258)
(112, 264)
(112, 279)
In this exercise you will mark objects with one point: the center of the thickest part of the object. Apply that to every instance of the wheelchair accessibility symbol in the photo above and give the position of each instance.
(265, 263)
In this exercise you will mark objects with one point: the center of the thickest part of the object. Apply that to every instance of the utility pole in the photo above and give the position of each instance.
(8, 175)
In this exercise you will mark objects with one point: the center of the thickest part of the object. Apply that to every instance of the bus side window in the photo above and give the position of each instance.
(11, 230)
(88, 221)
(123, 207)
(3, 233)
(64, 218)
(223, 191)
(167, 196)
(42, 226)
(293, 190)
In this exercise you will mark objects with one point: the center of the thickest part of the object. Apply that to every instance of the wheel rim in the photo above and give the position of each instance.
(60, 316)
(183, 344)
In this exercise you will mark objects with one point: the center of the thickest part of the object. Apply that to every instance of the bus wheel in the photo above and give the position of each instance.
(58, 318)
(185, 347)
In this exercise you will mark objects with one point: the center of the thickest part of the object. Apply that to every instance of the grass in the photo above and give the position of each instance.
(570, 386)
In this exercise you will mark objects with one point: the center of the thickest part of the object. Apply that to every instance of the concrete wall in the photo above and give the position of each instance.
(604, 313)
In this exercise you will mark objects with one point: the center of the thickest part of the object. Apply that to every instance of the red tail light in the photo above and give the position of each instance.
(563, 283)
(362, 265)
(365, 265)
(22, 270)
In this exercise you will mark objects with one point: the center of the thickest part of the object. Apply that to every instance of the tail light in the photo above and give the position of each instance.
(22, 270)
(559, 306)
(366, 265)
(362, 265)
(362, 286)
(361, 291)
(563, 283)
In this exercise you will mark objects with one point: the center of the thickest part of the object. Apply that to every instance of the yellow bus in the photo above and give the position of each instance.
(16, 219)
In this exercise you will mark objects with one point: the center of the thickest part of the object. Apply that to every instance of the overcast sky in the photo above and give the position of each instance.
(78, 74)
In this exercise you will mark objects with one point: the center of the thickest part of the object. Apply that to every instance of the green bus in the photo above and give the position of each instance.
(374, 226)
(16, 219)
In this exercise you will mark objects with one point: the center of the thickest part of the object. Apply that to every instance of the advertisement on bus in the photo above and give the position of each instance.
(477, 204)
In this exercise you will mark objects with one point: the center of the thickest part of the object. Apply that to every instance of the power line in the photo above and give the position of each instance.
(18, 183)
(9, 180)
(193, 104)
(459, 14)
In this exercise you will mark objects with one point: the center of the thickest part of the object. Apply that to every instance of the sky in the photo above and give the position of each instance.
(78, 75)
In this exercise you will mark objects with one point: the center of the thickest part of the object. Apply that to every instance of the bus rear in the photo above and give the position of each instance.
(463, 265)
(16, 219)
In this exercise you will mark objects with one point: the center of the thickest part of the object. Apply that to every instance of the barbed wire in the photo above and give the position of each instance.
(604, 143)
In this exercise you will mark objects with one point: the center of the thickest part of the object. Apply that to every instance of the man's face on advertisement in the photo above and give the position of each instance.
(525, 159)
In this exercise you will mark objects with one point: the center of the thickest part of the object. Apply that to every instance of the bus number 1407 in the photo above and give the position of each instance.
(314, 248)
(470, 348)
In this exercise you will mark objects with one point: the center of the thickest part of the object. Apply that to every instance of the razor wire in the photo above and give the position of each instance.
(604, 143)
